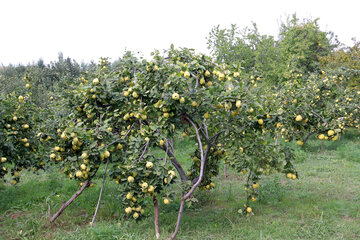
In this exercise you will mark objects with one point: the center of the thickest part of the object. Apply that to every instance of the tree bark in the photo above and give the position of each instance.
(65, 205)
(203, 157)
(156, 217)
(308, 136)
(176, 164)
(188, 194)
(322, 146)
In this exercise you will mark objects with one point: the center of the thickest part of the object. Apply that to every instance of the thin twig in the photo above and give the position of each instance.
(101, 191)
(166, 153)
(312, 111)
(142, 154)
(122, 138)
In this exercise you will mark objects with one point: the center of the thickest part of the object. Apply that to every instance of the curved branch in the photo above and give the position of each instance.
(188, 194)
(315, 113)
(175, 163)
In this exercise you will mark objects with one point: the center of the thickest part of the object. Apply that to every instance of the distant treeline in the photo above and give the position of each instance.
(301, 47)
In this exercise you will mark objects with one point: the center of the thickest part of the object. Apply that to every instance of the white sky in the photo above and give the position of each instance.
(86, 30)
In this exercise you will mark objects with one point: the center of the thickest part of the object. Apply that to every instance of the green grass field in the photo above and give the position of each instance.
(324, 203)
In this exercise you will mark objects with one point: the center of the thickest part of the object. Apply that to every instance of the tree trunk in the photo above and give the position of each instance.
(322, 146)
(156, 218)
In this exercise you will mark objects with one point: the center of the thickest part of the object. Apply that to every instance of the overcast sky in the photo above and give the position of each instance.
(86, 30)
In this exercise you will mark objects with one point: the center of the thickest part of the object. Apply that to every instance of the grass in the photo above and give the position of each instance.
(323, 204)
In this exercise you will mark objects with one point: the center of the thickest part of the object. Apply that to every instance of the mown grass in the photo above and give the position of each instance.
(324, 203)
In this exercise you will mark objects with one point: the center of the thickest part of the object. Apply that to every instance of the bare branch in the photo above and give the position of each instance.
(197, 82)
(66, 204)
(101, 191)
(166, 153)
(315, 113)
(176, 164)
(122, 138)
(142, 154)
(206, 131)
(189, 193)
(308, 136)
(156, 217)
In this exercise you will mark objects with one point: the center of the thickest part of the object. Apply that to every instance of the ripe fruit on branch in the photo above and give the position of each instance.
(144, 185)
(129, 195)
(175, 96)
(186, 74)
(106, 154)
(298, 118)
(130, 179)
(84, 155)
(78, 173)
(149, 165)
(128, 210)
(96, 81)
(172, 173)
(151, 189)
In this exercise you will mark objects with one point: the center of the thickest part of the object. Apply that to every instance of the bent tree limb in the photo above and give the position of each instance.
(308, 136)
(174, 162)
(203, 157)
(156, 218)
(65, 205)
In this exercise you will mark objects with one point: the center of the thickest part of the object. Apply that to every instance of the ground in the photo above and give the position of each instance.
(324, 203)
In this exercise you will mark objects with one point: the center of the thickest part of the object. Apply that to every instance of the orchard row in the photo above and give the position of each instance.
(119, 116)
